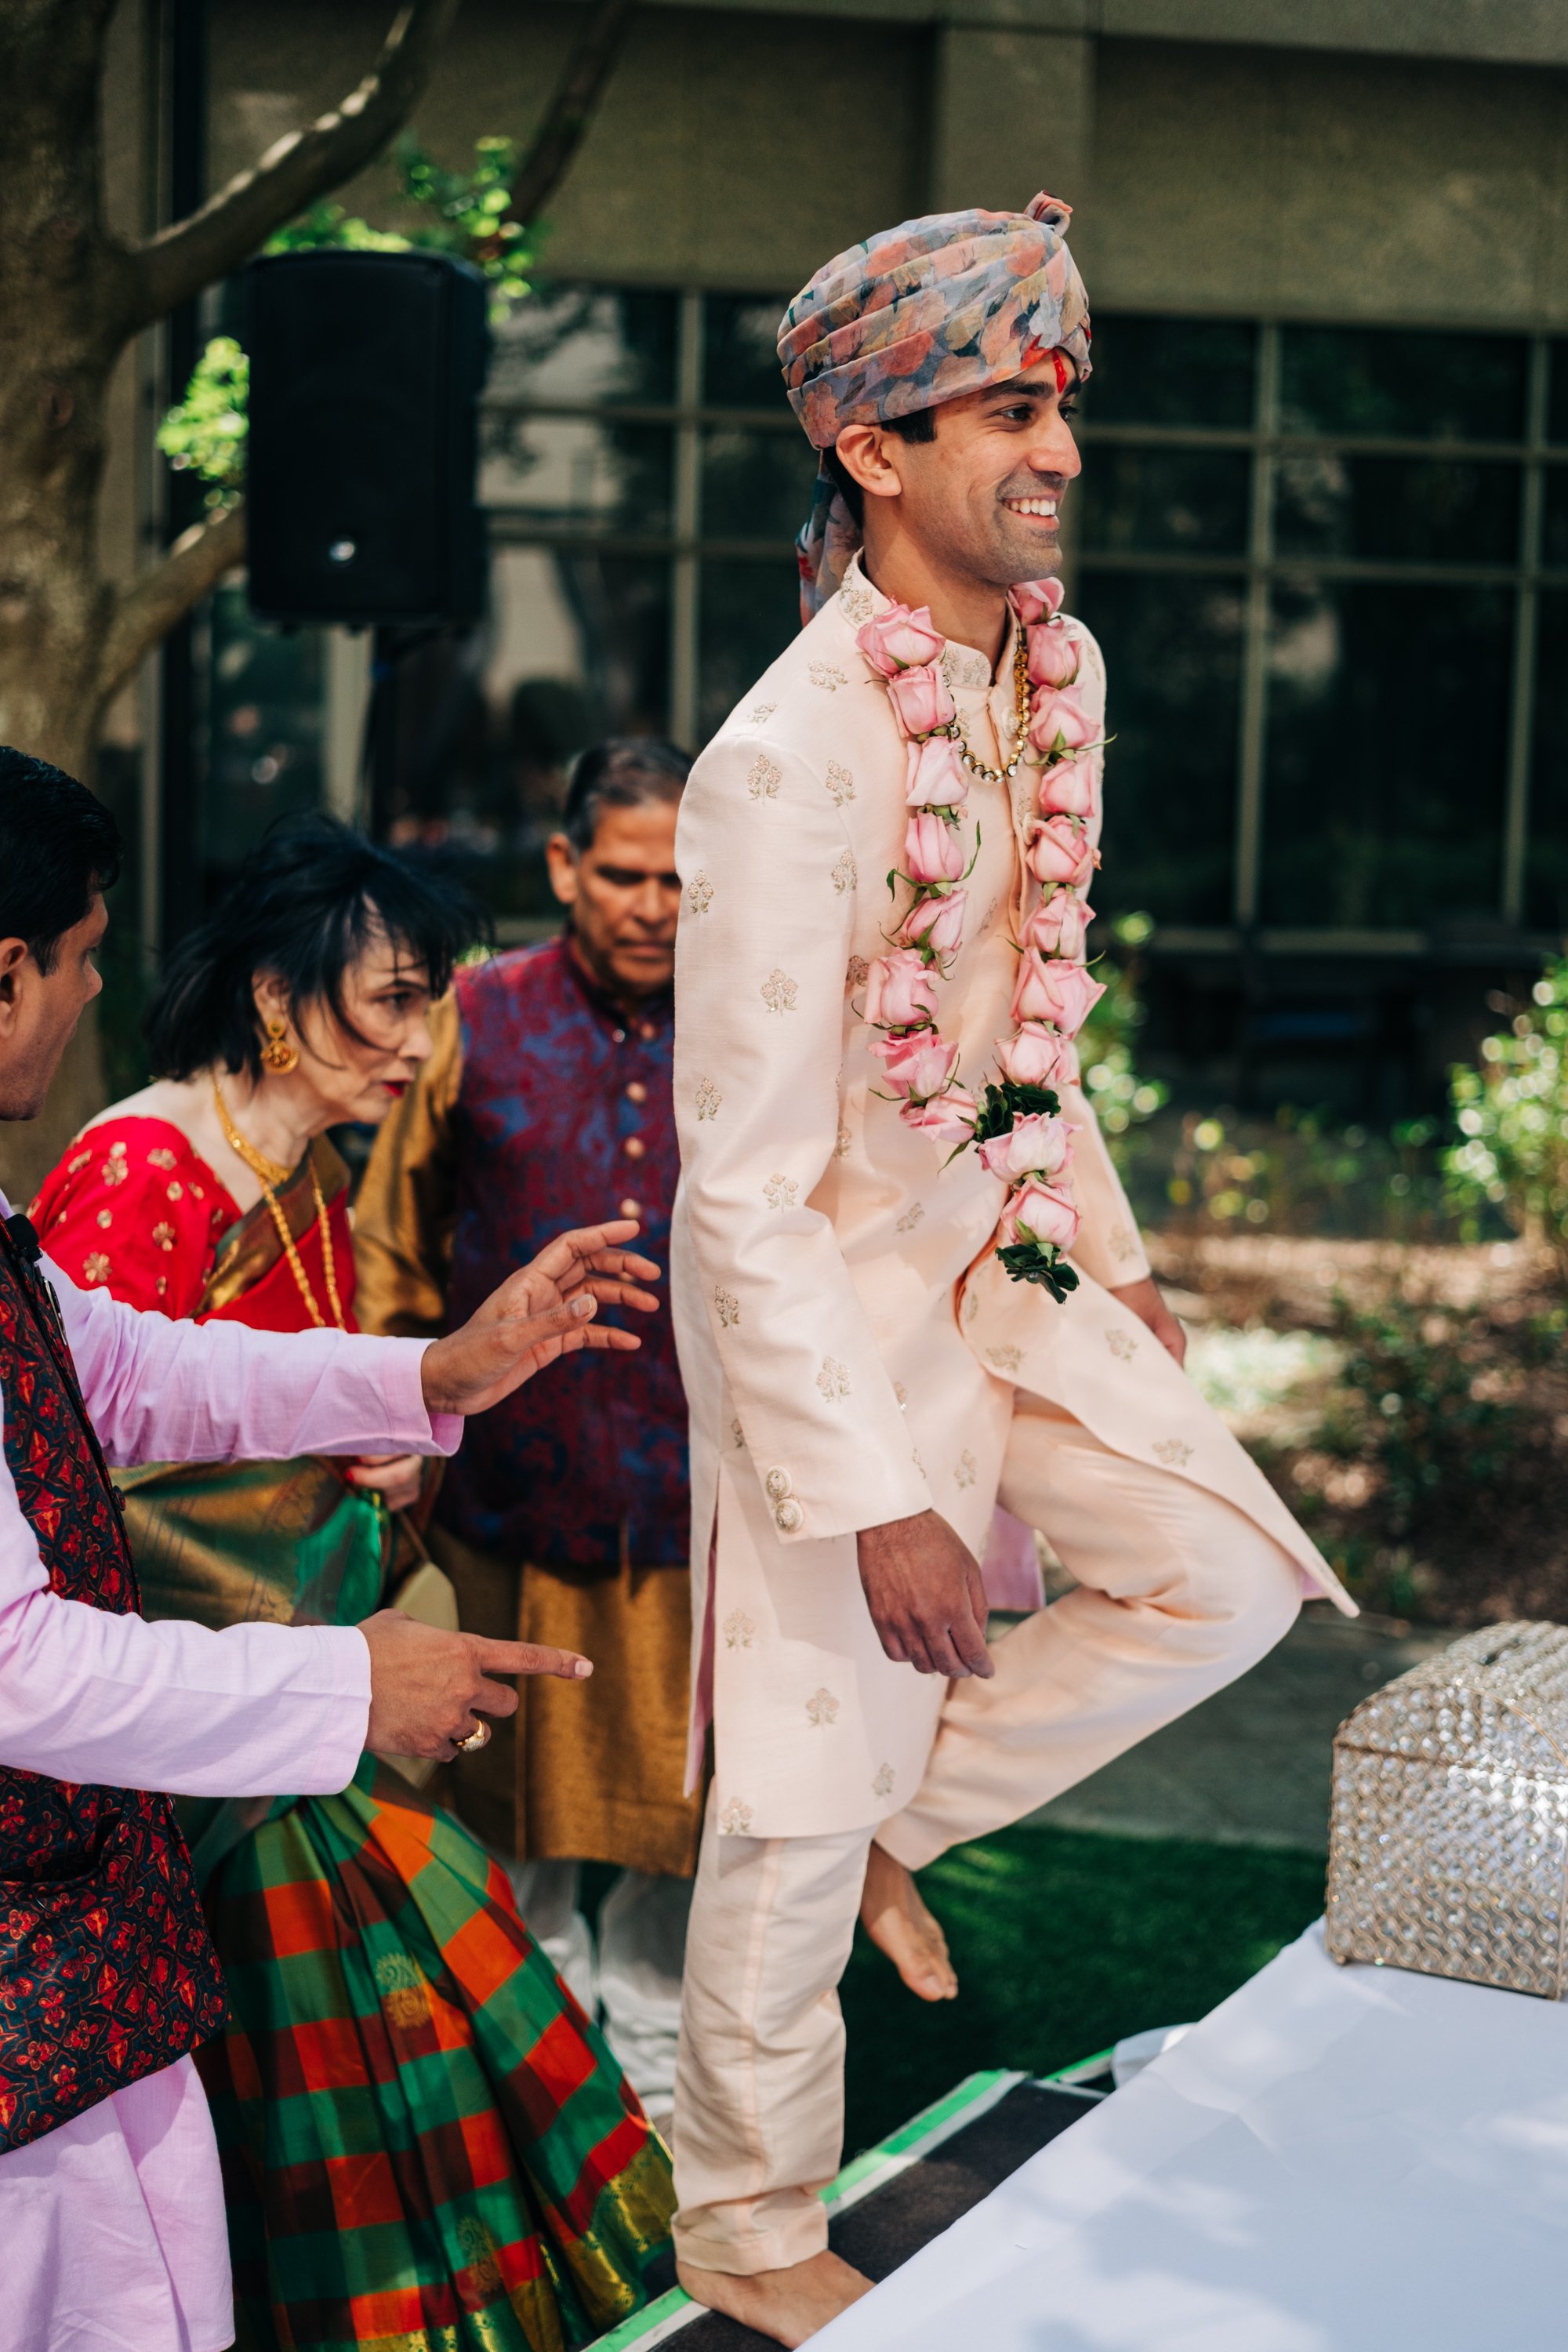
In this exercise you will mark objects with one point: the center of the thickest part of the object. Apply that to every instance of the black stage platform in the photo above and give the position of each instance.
(894, 2201)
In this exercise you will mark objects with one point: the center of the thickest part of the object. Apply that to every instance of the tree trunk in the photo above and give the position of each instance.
(55, 359)
(71, 296)
(61, 294)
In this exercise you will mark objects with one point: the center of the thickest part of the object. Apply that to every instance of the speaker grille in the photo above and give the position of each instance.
(365, 370)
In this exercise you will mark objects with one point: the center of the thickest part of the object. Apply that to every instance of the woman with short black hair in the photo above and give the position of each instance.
(421, 2134)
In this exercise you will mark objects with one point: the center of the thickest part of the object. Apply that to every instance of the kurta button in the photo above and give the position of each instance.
(637, 1091)
(631, 1208)
(790, 1516)
(779, 1483)
(619, 1035)
(634, 1147)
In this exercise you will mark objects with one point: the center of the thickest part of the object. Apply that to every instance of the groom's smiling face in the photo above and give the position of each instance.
(983, 497)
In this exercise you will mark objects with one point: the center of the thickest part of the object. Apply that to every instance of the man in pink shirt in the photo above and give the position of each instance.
(109, 2174)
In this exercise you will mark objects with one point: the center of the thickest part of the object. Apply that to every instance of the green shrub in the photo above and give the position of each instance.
(1121, 1098)
(1512, 1114)
(1421, 1409)
(1299, 1174)
(206, 433)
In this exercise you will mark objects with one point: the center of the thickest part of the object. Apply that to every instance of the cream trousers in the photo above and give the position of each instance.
(1178, 1592)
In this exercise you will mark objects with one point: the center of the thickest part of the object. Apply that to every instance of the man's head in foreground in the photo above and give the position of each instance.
(59, 852)
(934, 368)
(612, 865)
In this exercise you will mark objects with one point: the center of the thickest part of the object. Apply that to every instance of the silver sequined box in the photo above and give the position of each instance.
(1449, 1836)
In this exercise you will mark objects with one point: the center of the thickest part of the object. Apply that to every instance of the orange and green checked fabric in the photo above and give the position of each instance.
(426, 2147)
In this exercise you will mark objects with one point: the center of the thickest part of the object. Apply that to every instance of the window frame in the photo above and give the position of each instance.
(1258, 569)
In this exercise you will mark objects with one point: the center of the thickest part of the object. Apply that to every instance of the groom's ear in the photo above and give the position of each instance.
(868, 454)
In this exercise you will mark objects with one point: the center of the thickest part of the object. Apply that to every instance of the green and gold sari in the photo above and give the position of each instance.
(426, 2147)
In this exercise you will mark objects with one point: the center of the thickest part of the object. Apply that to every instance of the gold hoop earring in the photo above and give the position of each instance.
(279, 1054)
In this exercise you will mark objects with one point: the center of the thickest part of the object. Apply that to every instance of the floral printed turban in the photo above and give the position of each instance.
(936, 307)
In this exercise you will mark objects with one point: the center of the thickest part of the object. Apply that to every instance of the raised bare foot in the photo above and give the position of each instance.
(789, 2305)
(898, 1924)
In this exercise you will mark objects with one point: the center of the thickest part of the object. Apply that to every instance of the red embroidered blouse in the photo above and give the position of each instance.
(134, 1206)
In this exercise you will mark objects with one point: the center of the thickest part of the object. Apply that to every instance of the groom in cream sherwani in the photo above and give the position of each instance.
(864, 1378)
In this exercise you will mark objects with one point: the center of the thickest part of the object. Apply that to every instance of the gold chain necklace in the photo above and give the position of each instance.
(269, 1175)
(989, 775)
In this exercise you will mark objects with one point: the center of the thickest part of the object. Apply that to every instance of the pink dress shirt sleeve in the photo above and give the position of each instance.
(159, 1390)
(85, 1695)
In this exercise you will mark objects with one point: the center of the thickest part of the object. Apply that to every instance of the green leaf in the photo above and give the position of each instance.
(1001, 1104)
(1042, 1263)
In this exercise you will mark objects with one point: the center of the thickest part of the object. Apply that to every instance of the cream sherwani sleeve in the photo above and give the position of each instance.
(1109, 1248)
(769, 893)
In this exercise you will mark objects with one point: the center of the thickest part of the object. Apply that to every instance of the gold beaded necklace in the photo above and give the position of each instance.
(269, 1175)
(989, 775)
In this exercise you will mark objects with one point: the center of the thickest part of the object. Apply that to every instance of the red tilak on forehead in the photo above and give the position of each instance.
(1063, 379)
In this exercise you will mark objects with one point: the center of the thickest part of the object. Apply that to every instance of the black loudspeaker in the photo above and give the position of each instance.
(366, 371)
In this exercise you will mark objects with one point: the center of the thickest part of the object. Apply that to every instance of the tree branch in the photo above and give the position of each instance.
(174, 265)
(571, 110)
(144, 612)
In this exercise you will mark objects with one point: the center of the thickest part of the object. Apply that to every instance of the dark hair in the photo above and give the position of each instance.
(304, 904)
(59, 845)
(921, 427)
(625, 773)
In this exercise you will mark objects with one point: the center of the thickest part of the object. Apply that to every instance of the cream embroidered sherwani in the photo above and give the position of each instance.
(841, 1370)
(845, 1367)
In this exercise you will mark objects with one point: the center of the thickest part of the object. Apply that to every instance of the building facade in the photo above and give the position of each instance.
(1322, 530)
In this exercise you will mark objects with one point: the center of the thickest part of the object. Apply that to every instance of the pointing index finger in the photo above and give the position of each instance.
(529, 1658)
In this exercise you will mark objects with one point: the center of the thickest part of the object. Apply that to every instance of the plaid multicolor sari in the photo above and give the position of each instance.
(426, 2148)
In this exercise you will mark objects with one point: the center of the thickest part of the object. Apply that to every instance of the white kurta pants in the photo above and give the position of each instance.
(1178, 1592)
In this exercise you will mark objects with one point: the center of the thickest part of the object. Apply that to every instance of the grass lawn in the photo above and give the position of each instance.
(1064, 1941)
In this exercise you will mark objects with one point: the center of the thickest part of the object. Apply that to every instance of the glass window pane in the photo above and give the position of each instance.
(1175, 501)
(1405, 386)
(740, 355)
(580, 470)
(1555, 517)
(749, 614)
(585, 344)
(1171, 650)
(1397, 509)
(261, 730)
(1171, 372)
(755, 485)
(1546, 885)
(574, 647)
(1557, 389)
(1386, 748)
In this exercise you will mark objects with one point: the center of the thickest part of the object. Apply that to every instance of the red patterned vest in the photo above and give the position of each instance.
(107, 1971)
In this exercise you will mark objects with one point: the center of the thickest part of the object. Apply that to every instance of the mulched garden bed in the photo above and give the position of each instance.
(1409, 1401)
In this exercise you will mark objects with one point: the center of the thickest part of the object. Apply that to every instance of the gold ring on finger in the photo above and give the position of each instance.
(478, 1738)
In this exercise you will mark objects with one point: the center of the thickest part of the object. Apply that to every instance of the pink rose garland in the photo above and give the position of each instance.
(1017, 1124)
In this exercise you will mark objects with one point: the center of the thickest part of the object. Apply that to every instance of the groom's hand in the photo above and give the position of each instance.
(927, 1602)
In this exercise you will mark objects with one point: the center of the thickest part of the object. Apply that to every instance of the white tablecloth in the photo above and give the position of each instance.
(1336, 2160)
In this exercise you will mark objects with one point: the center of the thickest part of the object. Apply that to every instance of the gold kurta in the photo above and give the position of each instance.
(587, 1770)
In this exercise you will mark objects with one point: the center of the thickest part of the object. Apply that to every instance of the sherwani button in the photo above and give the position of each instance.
(637, 1092)
(634, 1147)
(631, 1208)
(790, 1516)
(779, 1483)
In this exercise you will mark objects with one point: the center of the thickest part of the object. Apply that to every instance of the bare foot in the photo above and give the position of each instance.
(789, 2305)
(898, 1924)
